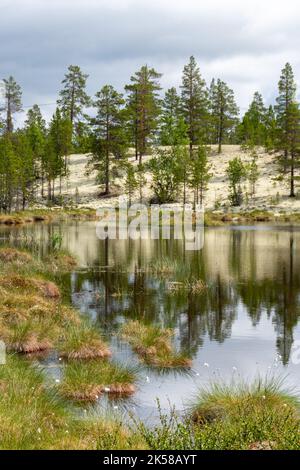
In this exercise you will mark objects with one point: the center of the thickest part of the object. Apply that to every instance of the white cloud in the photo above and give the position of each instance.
(244, 43)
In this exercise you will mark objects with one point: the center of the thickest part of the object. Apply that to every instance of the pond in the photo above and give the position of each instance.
(246, 322)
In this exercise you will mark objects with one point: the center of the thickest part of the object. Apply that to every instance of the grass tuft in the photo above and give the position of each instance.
(83, 342)
(85, 381)
(153, 345)
(34, 417)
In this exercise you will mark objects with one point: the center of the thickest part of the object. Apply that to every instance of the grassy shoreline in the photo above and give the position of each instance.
(37, 412)
(46, 215)
(34, 319)
(212, 218)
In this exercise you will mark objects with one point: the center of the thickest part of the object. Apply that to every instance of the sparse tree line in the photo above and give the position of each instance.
(180, 125)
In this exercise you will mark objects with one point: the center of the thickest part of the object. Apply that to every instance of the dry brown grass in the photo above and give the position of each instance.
(92, 393)
(60, 262)
(11, 255)
(22, 283)
(31, 344)
(23, 218)
(92, 351)
(11, 220)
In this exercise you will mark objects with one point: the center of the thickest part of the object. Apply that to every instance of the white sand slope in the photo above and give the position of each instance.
(271, 192)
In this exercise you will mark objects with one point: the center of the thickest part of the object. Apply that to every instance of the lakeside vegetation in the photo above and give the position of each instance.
(177, 129)
(38, 412)
(236, 416)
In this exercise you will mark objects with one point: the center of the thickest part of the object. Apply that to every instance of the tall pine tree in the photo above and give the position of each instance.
(108, 132)
(292, 144)
(13, 102)
(73, 96)
(253, 128)
(143, 107)
(173, 129)
(287, 95)
(194, 96)
(224, 112)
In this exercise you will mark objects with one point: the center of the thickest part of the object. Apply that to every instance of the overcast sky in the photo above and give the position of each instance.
(245, 43)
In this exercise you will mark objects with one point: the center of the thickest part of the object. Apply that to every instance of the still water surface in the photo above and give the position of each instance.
(245, 323)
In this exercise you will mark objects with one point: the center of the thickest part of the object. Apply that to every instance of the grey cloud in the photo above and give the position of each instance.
(40, 39)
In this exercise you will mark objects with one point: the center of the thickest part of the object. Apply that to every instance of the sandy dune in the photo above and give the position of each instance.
(271, 193)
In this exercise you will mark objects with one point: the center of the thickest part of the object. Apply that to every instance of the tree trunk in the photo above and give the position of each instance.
(292, 193)
(107, 173)
(191, 148)
(49, 190)
(220, 136)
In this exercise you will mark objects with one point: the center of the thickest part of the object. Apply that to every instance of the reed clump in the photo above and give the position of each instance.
(85, 381)
(154, 345)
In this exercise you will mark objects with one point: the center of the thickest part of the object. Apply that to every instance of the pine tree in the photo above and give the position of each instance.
(236, 172)
(224, 112)
(131, 182)
(253, 128)
(253, 172)
(173, 129)
(8, 174)
(143, 107)
(25, 169)
(57, 148)
(181, 166)
(271, 129)
(292, 144)
(199, 172)
(287, 95)
(165, 176)
(73, 97)
(194, 96)
(35, 128)
(141, 179)
(13, 102)
(108, 133)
